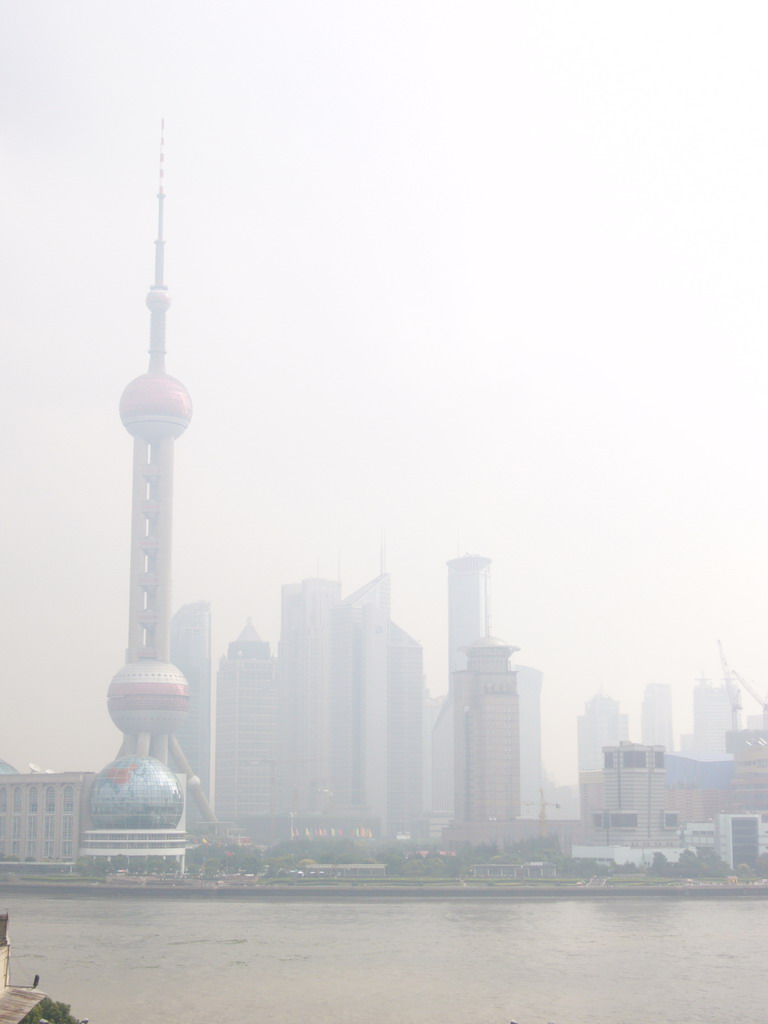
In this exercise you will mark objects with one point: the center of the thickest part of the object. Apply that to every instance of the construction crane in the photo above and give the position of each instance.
(542, 804)
(733, 691)
(751, 691)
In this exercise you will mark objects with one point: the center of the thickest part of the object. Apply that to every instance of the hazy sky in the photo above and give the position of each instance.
(489, 276)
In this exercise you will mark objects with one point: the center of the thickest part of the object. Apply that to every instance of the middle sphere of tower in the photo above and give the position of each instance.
(148, 696)
(155, 406)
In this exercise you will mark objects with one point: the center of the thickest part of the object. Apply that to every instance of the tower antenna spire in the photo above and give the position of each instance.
(160, 242)
(158, 299)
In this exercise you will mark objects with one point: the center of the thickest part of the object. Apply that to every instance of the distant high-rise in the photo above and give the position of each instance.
(712, 717)
(304, 668)
(657, 716)
(246, 730)
(469, 606)
(601, 725)
(430, 713)
(486, 735)
(529, 684)
(191, 653)
(376, 693)
(469, 619)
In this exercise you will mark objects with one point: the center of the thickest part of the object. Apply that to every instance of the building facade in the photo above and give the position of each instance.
(529, 686)
(601, 725)
(486, 735)
(247, 740)
(656, 727)
(43, 814)
(303, 673)
(469, 619)
(376, 694)
(635, 811)
(712, 718)
(191, 653)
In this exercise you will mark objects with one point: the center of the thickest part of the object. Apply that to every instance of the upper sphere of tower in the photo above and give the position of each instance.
(148, 696)
(155, 406)
(158, 299)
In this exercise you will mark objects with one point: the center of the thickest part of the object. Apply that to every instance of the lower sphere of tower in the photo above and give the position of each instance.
(136, 792)
(148, 696)
(155, 406)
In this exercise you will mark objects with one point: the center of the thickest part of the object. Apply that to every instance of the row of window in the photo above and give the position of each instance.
(50, 799)
(634, 758)
(624, 819)
(47, 850)
(49, 827)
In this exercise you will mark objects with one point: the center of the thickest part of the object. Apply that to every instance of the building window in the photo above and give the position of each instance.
(48, 826)
(17, 800)
(658, 759)
(66, 850)
(16, 826)
(609, 760)
(3, 799)
(31, 849)
(634, 759)
(31, 828)
(670, 819)
(48, 851)
(67, 826)
(624, 820)
(33, 800)
(69, 799)
(50, 800)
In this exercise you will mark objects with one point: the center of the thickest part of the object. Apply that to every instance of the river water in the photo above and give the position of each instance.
(609, 962)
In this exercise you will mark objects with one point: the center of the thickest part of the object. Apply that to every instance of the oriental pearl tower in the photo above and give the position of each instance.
(148, 698)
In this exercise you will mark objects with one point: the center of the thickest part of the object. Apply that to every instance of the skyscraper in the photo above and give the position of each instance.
(304, 666)
(148, 698)
(191, 653)
(469, 606)
(601, 725)
(487, 735)
(469, 618)
(657, 716)
(529, 684)
(246, 730)
(376, 692)
(712, 717)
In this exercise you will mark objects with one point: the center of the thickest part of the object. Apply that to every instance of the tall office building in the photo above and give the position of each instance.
(601, 725)
(246, 730)
(430, 713)
(304, 668)
(469, 619)
(469, 607)
(529, 683)
(712, 717)
(486, 735)
(657, 716)
(148, 698)
(377, 683)
(191, 653)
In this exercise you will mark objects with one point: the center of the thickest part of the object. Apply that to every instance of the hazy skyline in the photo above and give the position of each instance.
(489, 277)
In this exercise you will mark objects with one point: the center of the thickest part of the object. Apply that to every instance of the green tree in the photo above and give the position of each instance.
(660, 866)
(47, 1009)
